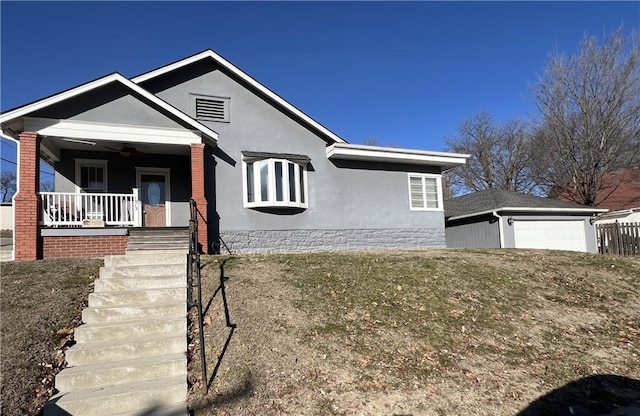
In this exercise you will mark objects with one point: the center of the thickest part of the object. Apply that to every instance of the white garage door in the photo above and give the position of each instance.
(554, 235)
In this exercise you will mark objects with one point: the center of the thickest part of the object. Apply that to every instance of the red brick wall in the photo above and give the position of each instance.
(83, 246)
(27, 201)
(197, 192)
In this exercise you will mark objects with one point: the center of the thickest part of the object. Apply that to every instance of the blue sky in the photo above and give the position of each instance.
(405, 73)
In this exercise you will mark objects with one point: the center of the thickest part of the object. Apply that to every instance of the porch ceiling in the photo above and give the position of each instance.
(51, 147)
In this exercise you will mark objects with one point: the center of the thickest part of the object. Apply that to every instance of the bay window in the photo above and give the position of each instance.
(274, 182)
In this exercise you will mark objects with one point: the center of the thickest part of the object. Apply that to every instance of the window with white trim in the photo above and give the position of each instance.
(274, 182)
(91, 175)
(425, 191)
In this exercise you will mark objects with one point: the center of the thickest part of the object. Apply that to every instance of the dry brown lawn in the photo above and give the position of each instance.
(442, 332)
(41, 303)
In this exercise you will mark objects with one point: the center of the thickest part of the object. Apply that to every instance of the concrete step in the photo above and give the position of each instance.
(121, 372)
(136, 237)
(181, 251)
(145, 258)
(106, 351)
(136, 398)
(134, 248)
(159, 237)
(155, 237)
(117, 282)
(160, 231)
(130, 329)
(130, 355)
(136, 297)
(159, 241)
(172, 410)
(123, 313)
(144, 270)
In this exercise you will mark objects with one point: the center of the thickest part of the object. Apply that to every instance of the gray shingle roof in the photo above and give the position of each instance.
(497, 199)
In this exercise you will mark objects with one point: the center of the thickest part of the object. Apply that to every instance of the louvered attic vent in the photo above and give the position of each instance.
(212, 109)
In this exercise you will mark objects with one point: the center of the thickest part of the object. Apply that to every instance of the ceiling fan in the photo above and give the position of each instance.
(124, 150)
(127, 151)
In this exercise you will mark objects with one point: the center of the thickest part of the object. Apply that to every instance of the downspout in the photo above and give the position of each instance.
(500, 222)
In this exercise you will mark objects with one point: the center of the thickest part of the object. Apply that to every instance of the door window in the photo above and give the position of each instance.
(153, 189)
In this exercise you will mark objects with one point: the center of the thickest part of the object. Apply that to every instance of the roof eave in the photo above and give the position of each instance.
(618, 213)
(365, 153)
(529, 209)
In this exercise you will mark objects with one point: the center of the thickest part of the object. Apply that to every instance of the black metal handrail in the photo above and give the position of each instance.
(194, 281)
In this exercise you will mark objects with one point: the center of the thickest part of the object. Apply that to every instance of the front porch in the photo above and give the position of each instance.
(83, 217)
(87, 224)
(104, 138)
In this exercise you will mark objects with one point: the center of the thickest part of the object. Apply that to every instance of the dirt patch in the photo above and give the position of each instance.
(440, 332)
(267, 361)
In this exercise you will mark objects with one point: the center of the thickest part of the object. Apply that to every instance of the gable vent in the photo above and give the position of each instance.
(212, 109)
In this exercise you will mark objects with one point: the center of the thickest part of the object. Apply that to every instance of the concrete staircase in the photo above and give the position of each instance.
(129, 357)
(142, 239)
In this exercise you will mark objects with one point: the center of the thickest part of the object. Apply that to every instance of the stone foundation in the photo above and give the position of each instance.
(288, 241)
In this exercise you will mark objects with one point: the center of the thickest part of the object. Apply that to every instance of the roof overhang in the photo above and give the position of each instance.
(395, 155)
(209, 54)
(584, 211)
(12, 115)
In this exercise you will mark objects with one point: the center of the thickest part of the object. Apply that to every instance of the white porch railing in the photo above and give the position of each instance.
(68, 209)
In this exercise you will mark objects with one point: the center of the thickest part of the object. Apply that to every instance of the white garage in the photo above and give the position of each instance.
(553, 235)
(496, 218)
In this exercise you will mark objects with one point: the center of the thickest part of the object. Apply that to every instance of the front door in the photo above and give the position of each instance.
(153, 189)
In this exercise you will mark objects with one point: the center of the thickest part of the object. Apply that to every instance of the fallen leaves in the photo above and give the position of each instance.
(456, 313)
(63, 332)
(498, 331)
(46, 386)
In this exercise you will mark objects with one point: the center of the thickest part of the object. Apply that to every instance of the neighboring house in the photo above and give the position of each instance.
(621, 216)
(619, 191)
(496, 218)
(623, 201)
(6, 216)
(131, 153)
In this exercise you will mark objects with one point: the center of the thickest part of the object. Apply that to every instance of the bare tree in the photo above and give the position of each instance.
(447, 187)
(589, 105)
(7, 185)
(499, 155)
(371, 141)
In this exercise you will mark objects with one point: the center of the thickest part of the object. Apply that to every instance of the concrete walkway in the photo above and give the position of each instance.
(6, 247)
(129, 357)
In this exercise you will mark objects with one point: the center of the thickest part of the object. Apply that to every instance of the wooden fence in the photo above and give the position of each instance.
(622, 239)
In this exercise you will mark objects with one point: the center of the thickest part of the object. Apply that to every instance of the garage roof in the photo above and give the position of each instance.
(483, 202)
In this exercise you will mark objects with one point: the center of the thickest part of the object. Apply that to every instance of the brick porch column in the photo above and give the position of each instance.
(27, 201)
(198, 193)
